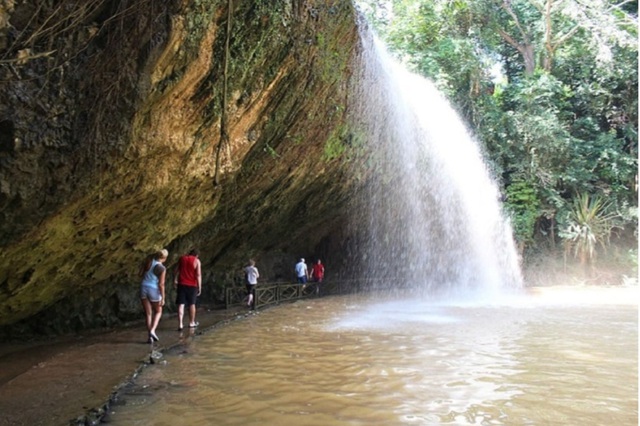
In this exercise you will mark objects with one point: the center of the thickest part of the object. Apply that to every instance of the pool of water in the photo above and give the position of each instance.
(551, 357)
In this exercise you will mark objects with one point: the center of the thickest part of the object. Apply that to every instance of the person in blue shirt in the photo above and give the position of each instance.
(252, 275)
(302, 273)
(152, 295)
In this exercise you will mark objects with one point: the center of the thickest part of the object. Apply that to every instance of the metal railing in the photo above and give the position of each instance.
(274, 293)
(277, 292)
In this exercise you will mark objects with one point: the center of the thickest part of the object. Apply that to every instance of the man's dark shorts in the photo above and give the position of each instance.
(187, 295)
(251, 289)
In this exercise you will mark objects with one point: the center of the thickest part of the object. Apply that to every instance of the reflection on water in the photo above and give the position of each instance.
(361, 361)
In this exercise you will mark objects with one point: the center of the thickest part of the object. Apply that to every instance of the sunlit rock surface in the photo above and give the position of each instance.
(110, 124)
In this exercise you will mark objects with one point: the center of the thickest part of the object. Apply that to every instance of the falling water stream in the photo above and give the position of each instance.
(454, 345)
(435, 222)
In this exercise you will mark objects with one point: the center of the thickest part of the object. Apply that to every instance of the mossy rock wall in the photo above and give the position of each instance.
(110, 128)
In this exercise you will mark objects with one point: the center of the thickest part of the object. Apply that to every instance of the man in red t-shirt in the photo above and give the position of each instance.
(317, 274)
(188, 280)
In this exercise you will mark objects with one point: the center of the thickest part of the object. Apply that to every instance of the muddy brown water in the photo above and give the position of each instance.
(555, 356)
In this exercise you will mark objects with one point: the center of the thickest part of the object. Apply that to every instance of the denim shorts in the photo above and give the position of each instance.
(151, 293)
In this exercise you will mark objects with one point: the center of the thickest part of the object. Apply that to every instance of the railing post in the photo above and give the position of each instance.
(256, 296)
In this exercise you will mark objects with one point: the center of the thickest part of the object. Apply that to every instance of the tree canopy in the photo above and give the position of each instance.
(550, 88)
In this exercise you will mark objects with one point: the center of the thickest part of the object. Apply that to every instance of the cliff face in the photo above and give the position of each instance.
(111, 146)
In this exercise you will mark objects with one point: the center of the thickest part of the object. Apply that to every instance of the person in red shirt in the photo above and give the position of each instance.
(317, 272)
(188, 280)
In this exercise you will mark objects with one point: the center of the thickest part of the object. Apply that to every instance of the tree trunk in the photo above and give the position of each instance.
(529, 59)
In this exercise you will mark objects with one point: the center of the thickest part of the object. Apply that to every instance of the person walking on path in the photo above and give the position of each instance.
(317, 275)
(188, 280)
(317, 271)
(252, 274)
(302, 272)
(153, 273)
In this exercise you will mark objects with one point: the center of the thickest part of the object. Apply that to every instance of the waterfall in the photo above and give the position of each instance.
(430, 212)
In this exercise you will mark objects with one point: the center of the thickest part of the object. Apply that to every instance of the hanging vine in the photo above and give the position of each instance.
(224, 134)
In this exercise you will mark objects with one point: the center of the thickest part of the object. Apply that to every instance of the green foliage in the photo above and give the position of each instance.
(272, 152)
(587, 224)
(336, 144)
(523, 203)
(332, 59)
(345, 142)
(551, 93)
(334, 148)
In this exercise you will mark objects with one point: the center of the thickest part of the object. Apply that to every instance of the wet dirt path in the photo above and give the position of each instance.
(56, 381)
